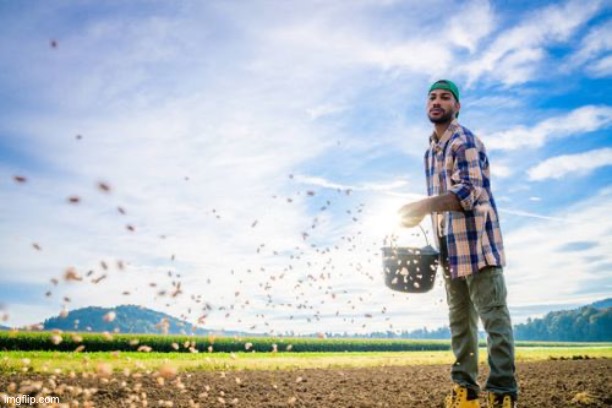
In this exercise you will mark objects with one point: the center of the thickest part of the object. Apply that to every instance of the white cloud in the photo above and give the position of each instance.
(538, 255)
(574, 164)
(513, 56)
(481, 20)
(592, 54)
(475, 103)
(320, 111)
(601, 68)
(385, 186)
(325, 41)
(596, 42)
(501, 170)
(581, 120)
(527, 214)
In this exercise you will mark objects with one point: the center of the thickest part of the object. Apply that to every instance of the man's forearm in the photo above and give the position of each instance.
(414, 212)
(444, 202)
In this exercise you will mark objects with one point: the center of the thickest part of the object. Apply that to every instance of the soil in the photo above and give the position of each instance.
(545, 384)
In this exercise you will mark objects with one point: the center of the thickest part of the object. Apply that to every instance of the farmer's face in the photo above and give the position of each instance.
(441, 106)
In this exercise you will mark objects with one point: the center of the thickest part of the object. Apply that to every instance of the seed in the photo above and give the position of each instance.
(104, 370)
(167, 371)
(71, 274)
(110, 316)
(105, 187)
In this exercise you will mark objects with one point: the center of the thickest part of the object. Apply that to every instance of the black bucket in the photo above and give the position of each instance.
(409, 269)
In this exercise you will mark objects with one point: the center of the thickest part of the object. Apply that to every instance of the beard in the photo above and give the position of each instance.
(446, 117)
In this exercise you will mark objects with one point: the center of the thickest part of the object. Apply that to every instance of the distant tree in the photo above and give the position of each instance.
(584, 324)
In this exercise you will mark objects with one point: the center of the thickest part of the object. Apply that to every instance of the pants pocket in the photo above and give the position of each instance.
(488, 288)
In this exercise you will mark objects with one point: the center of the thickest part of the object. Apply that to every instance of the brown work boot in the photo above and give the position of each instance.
(500, 401)
(462, 397)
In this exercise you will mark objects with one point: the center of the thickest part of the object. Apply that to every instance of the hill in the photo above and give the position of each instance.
(587, 323)
(123, 319)
(602, 304)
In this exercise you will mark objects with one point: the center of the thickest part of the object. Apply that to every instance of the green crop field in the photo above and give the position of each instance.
(71, 352)
(94, 342)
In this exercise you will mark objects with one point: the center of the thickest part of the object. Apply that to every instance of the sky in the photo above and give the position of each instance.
(239, 164)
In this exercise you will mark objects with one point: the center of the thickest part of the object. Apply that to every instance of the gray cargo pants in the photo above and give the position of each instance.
(481, 295)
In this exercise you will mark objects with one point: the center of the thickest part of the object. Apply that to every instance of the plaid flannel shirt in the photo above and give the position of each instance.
(458, 163)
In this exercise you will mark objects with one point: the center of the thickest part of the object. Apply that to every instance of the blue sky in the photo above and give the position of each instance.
(259, 151)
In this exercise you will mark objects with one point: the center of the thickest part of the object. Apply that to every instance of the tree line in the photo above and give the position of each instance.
(588, 323)
(585, 324)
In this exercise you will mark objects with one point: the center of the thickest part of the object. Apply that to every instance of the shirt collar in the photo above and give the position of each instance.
(438, 144)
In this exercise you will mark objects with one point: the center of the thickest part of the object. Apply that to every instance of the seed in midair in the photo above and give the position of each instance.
(71, 274)
(56, 339)
(110, 316)
(104, 187)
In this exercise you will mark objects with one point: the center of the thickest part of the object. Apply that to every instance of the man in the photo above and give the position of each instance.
(466, 224)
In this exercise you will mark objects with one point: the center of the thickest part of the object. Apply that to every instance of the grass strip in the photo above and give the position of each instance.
(54, 362)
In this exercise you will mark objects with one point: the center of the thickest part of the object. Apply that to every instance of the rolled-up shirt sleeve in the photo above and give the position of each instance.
(466, 179)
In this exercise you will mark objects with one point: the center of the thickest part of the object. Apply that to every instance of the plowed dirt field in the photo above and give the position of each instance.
(545, 384)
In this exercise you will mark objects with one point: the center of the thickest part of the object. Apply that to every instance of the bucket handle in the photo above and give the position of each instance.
(424, 234)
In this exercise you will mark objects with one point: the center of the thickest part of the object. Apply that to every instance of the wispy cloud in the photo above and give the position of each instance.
(592, 51)
(583, 120)
(502, 170)
(366, 186)
(576, 164)
(514, 55)
(538, 255)
(601, 68)
(530, 214)
(482, 23)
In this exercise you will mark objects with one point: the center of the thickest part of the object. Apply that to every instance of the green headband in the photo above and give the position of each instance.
(447, 86)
